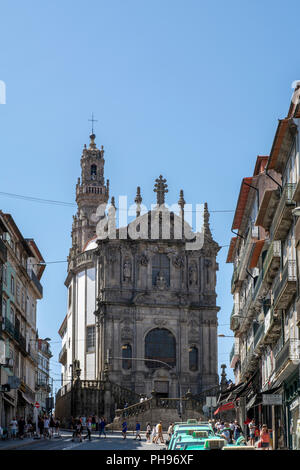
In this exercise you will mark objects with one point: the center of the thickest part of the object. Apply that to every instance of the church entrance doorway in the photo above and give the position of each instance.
(161, 388)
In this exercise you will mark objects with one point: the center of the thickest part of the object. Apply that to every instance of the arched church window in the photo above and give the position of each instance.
(93, 172)
(160, 345)
(126, 356)
(160, 268)
(193, 358)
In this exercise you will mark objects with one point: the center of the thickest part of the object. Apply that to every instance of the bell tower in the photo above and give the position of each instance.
(91, 191)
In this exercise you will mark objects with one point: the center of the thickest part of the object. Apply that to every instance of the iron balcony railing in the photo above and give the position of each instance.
(36, 282)
(289, 274)
(62, 353)
(10, 329)
(257, 286)
(285, 201)
(259, 334)
(289, 352)
(3, 251)
(274, 251)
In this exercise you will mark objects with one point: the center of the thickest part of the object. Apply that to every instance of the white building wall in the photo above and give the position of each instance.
(81, 321)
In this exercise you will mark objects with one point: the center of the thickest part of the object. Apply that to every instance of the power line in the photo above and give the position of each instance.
(71, 204)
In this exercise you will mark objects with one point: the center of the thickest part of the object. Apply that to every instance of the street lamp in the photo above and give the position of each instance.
(225, 336)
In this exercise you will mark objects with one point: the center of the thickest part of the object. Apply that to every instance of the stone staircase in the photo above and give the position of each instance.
(153, 410)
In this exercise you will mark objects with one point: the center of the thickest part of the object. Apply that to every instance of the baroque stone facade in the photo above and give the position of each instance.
(141, 308)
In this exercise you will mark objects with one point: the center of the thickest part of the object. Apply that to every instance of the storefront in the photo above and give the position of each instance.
(292, 402)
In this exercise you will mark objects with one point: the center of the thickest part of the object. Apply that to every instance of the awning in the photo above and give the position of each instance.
(225, 407)
(258, 246)
(26, 398)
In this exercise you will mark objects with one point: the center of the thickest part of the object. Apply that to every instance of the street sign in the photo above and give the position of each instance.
(211, 401)
(37, 405)
(272, 399)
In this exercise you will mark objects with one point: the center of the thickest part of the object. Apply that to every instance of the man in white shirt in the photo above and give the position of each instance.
(46, 427)
(13, 428)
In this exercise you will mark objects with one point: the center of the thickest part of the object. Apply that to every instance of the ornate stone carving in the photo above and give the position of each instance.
(161, 282)
(193, 275)
(144, 260)
(160, 322)
(178, 262)
(127, 271)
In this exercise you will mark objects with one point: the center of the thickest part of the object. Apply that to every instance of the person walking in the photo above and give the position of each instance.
(138, 431)
(21, 427)
(237, 431)
(46, 427)
(13, 428)
(252, 431)
(170, 431)
(52, 426)
(265, 437)
(57, 424)
(41, 425)
(88, 429)
(159, 433)
(124, 429)
(153, 435)
(102, 424)
(148, 432)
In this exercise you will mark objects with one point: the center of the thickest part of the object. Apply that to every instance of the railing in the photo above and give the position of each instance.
(36, 282)
(62, 352)
(286, 199)
(257, 286)
(288, 275)
(246, 362)
(289, 351)
(274, 251)
(10, 328)
(259, 335)
(3, 251)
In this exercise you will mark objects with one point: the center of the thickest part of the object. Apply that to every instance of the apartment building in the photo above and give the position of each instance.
(21, 288)
(265, 285)
(43, 387)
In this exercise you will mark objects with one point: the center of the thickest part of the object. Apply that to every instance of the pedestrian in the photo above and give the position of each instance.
(170, 431)
(102, 424)
(88, 428)
(252, 431)
(41, 425)
(94, 422)
(237, 431)
(124, 429)
(57, 424)
(52, 426)
(159, 432)
(46, 427)
(264, 437)
(138, 431)
(13, 428)
(153, 435)
(21, 427)
(225, 433)
(148, 432)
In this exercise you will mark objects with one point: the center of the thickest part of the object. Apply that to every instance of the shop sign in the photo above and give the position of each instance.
(272, 399)
(294, 404)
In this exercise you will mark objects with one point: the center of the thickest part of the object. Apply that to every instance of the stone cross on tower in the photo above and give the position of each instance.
(160, 188)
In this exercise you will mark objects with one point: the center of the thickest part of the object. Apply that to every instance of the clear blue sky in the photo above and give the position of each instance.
(188, 89)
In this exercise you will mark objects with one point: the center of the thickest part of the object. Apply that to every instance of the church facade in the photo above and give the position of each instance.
(141, 307)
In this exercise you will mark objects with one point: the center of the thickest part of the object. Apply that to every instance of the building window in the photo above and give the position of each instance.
(70, 296)
(193, 358)
(90, 338)
(93, 172)
(126, 356)
(160, 345)
(160, 268)
(12, 285)
(4, 274)
(4, 308)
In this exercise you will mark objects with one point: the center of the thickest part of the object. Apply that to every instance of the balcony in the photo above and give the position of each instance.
(283, 216)
(258, 337)
(36, 283)
(272, 327)
(235, 353)
(3, 251)
(62, 358)
(288, 356)
(15, 334)
(285, 286)
(272, 262)
(249, 363)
